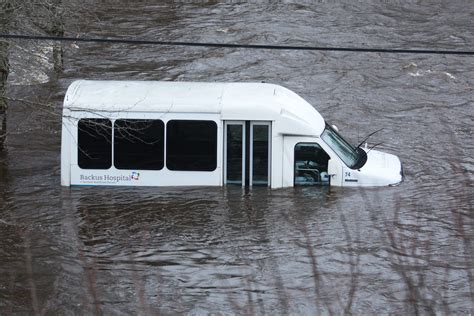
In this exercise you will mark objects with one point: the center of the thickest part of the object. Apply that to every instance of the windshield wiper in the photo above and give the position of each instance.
(374, 146)
(368, 136)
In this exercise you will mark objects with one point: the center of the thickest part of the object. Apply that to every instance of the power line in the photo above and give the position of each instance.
(244, 46)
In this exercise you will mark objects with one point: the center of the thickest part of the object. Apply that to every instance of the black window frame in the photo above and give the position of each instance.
(84, 156)
(182, 159)
(149, 146)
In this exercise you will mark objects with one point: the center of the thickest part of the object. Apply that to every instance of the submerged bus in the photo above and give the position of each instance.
(152, 133)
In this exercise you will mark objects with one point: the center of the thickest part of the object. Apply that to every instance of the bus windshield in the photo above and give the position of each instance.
(353, 157)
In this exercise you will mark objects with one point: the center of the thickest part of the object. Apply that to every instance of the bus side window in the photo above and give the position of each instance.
(311, 164)
(94, 138)
(139, 144)
(191, 145)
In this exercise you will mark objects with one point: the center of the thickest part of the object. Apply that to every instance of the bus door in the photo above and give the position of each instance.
(247, 150)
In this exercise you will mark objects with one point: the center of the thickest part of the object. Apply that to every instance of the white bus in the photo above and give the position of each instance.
(152, 133)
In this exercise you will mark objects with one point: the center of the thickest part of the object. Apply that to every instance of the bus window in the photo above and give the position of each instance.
(94, 144)
(191, 145)
(139, 144)
(311, 164)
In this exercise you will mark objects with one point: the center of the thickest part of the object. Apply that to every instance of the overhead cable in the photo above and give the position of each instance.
(242, 46)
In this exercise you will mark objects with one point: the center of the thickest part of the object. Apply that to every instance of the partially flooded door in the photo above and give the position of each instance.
(234, 153)
(260, 153)
(247, 153)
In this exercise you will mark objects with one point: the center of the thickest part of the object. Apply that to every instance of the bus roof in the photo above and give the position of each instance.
(290, 113)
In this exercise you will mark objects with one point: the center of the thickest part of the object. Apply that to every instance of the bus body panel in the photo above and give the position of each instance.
(294, 128)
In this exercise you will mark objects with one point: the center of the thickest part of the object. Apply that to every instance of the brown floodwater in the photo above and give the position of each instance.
(312, 250)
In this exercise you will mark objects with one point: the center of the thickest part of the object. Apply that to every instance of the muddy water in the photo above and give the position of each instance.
(397, 250)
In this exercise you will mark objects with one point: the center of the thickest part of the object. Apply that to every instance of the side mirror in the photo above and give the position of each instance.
(334, 127)
(335, 172)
